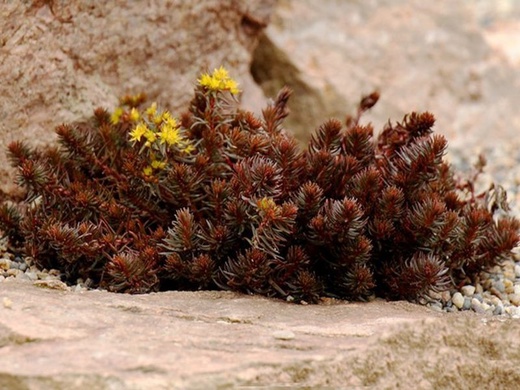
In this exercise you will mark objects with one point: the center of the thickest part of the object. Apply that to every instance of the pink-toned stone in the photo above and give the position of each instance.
(422, 56)
(56, 339)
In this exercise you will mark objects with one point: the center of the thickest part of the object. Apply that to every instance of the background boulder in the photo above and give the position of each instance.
(453, 58)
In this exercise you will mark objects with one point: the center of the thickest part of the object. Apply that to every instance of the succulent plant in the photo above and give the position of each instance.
(138, 200)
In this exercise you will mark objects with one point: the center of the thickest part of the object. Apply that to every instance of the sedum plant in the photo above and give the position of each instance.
(218, 198)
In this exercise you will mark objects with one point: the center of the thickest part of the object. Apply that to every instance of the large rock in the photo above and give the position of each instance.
(53, 339)
(420, 55)
(61, 59)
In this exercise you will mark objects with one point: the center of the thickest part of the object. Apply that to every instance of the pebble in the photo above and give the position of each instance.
(283, 335)
(446, 297)
(13, 272)
(517, 270)
(32, 275)
(499, 310)
(458, 300)
(5, 264)
(467, 303)
(476, 306)
(509, 286)
(499, 286)
(468, 290)
(514, 299)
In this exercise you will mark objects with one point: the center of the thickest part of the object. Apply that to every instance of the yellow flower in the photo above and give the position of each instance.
(147, 170)
(150, 136)
(134, 115)
(219, 80)
(169, 135)
(156, 164)
(116, 115)
(152, 110)
(167, 118)
(221, 73)
(232, 86)
(188, 148)
(138, 132)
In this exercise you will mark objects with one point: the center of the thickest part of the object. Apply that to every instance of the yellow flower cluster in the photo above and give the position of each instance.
(133, 114)
(163, 127)
(219, 80)
(158, 130)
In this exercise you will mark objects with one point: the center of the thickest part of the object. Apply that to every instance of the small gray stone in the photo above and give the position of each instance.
(499, 286)
(468, 290)
(283, 335)
(14, 265)
(458, 300)
(467, 303)
(22, 267)
(499, 310)
(437, 306)
(479, 297)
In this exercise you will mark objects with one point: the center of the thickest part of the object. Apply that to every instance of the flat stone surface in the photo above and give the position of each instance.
(52, 339)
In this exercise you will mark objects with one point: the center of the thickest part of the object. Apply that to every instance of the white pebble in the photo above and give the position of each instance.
(32, 275)
(517, 270)
(517, 289)
(458, 300)
(468, 290)
(283, 335)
